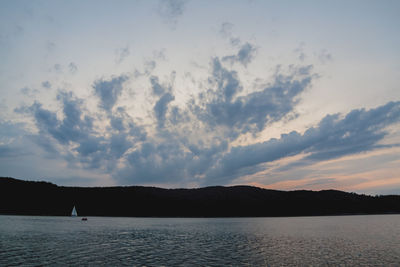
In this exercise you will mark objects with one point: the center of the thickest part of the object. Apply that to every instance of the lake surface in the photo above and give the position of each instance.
(331, 240)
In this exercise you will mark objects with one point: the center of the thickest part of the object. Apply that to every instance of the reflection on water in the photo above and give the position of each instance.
(348, 240)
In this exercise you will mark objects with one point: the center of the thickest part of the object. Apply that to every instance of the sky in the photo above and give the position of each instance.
(285, 95)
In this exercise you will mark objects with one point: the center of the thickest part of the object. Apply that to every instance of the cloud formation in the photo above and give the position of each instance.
(359, 131)
(252, 112)
(171, 10)
(244, 56)
(109, 90)
(72, 68)
(196, 142)
(121, 54)
(46, 84)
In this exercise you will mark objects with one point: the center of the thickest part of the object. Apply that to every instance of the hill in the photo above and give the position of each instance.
(43, 198)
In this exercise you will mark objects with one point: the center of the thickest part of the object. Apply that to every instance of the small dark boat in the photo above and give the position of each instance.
(84, 219)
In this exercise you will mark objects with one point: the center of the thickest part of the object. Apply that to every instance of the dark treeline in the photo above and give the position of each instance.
(42, 198)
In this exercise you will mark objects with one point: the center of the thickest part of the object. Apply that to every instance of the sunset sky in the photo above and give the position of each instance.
(278, 94)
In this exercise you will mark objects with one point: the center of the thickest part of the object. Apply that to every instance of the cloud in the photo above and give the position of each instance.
(226, 29)
(324, 56)
(121, 54)
(57, 68)
(12, 144)
(358, 131)
(119, 144)
(72, 68)
(46, 84)
(193, 142)
(226, 32)
(160, 54)
(170, 160)
(171, 10)
(164, 94)
(183, 150)
(149, 66)
(334, 137)
(154, 162)
(109, 90)
(7, 151)
(10, 130)
(73, 127)
(157, 88)
(122, 122)
(251, 112)
(74, 137)
(299, 51)
(178, 116)
(244, 56)
(117, 123)
(161, 107)
(45, 143)
(28, 91)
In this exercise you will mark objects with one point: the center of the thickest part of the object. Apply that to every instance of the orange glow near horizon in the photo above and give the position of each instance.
(336, 174)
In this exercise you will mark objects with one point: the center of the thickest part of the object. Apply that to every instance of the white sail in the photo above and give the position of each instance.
(74, 213)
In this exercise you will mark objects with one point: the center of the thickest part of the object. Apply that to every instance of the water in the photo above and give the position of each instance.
(335, 240)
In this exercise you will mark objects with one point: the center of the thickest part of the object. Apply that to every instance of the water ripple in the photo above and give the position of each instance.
(350, 240)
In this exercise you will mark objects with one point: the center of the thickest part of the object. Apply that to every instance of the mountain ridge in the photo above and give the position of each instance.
(44, 198)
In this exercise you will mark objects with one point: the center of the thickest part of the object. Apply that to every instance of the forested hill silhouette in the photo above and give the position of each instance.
(43, 198)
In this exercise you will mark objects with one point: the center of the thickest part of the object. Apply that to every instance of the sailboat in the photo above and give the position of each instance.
(74, 213)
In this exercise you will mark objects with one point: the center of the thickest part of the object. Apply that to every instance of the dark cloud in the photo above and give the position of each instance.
(46, 84)
(74, 137)
(178, 116)
(73, 127)
(117, 123)
(121, 122)
(157, 88)
(192, 143)
(175, 156)
(119, 144)
(138, 132)
(154, 162)
(164, 94)
(109, 90)
(172, 160)
(90, 145)
(251, 112)
(45, 143)
(8, 152)
(244, 56)
(359, 131)
(161, 107)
